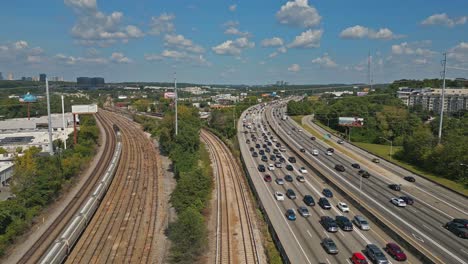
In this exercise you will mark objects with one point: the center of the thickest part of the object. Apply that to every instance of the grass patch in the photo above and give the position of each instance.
(205, 161)
(379, 150)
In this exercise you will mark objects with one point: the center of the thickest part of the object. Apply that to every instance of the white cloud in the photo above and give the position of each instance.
(119, 57)
(325, 61)
(298, 13)
(272, 42)
(93, 26)
(21, 45)
(233, 47)
(459, 53)
(307, 39)
(282, 49)
(359, 32)
(71, 60)
(153, 57)
(406, 48)
(420, 61)
(176, 55)
(180, 42)
(231, 23)
(294, 68)
(232, 8)
(20, 53)
(236, 31)
(162, 24)
(444, 19)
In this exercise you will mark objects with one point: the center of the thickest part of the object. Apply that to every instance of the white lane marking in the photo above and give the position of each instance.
(464, 251)
(339, 231)
(326, 233)
(388, 211)
(427, 227)
(417, 237)
(328, 261)
(308, 232)
(349, 261)
(449, 216)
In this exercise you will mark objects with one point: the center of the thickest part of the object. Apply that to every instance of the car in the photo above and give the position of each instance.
(343, 207)
(395, 251)
(269, 143)
(302, 150)
(261, 168)
(312, 138)
(303, 211)
(292, 159)
(329, 246)
(409, 178)
(327, 193)
(375, 254)
(291, 215)
(461, 221)
(288, 178)
(356, 166)
(289, 167)
(300, 130)
(340, 141)
(457, 228)
(272, 157)
(278, 164)
(344, 223)
(294, 129)
(300, 178)
(267, 178)
(254, 154)
(289, 133)
(267, 150)
(361, 222)
(329, 153)
(329, 224)
(279, 196)
(408, 200)
(308, 200)
(364, 173)
(282, 160)
(257, 146)
(264, 158)
(252, 149)
(340, 168)
(398, 202)
(302, 170)
(376, 160)
(271, 167)
(315, 152)
(279, 181)
(291, 194)
(264, 146)
(331, 150)
(278, 145)
(247, 141)
(324, 203)
(261, 152)
(358, 258)
(395, 187)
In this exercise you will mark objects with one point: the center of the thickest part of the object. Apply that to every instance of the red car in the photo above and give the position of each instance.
(395, 251)
(358, 258)
(267, 178)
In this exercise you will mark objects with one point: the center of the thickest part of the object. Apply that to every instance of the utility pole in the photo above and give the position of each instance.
(176, 97)
(442, 97)
(369, 78)
(63, 124)
(51, 147)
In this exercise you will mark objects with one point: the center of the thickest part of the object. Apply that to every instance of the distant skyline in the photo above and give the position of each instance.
(234, 42)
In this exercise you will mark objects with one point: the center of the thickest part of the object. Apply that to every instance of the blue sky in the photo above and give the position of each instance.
(238, 42)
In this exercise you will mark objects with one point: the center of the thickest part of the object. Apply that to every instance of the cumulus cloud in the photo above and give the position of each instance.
(272, 42)
(298, 13)
(119, 57)
(444, 19)
(19, 52)
(459, 53)
(71, 60)
(307, 39)
(162, 24)
(180, 42)
(93, 26)
(359, 32)
(325, 61)
(406, 48)
(236, 31)
(233, 47)
(176, 55)
(294, 68)
(232, 8)
(21, 45)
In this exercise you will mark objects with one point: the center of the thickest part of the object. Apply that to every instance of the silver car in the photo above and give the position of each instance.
(361, 222)
(375, 254)
(329, 246)
(303, 211)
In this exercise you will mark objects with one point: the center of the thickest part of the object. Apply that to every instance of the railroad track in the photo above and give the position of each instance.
(47, 238)
(236, 241)
(126, 225)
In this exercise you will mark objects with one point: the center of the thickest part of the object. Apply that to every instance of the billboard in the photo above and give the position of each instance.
(84, 109)
(362, 93)
(168, 95)
(351, 121)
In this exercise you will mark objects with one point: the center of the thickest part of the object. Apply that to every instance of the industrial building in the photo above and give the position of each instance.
(431, 99)
(87, 82)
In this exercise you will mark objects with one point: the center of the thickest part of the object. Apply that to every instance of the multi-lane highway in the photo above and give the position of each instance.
(419, 224)
(300, 238)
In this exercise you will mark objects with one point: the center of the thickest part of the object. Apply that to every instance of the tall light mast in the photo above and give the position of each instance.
(176, 97)
(51, 147)
(442, 97)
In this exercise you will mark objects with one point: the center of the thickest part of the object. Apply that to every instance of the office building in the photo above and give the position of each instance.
(431, 99)
(87, 82)
(42, 77)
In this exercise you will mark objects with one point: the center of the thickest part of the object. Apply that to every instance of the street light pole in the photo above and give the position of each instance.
(463, 170)
(391, 146)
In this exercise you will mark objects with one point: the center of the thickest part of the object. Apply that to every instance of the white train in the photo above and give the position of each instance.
(60, 249)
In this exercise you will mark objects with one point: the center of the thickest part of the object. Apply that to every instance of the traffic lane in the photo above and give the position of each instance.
(419, 232)
(457, 202)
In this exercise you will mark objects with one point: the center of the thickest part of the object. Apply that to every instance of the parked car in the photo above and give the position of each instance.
(395, 187)
(279, 196)
(344, 223)
(327, 193)
(410, 178)
(408, 200)
(358, 258)
(343, 207)
(356, 166)
(288, 178)
(291, 194)
(267, 178)
(291, 215)
(308, 200)
(398, 202)
(361, 222)
(329, 246)
(457, 228)
(303, 211)
(375, 254)
(329, 224)
(340, 168)
(300, 178)
(279, 181)
(395, 251)
(324, 203)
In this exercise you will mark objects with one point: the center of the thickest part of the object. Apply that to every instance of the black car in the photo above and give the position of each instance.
(288, 178)
(247, 141)
(458, 229)
(278, 145)
(331, 150)
(257, 146)
(264, 158)
(364, 173)
(395, 187)
(356, 166)
(340, 167)
(292, 159)
(410, 178)
(329, 224)
(291, 194)
(344, 223)
(302, 149)
(267, 150)
(408, 200)
(309, 200)
(289, 167)
(461, 221)
(324, 203)
(261, 168)
(312, 138)
(273, 158)
(252, 148)
(282, 159)
(269, 143)
(264, 145)
(254, 154)
(327, 193)
(278, 155)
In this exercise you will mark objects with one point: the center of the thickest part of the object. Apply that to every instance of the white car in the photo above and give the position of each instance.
(303, 170)
(315, 152)
(271, 167)
(300, 130)
(279, 196)
(329, 153)
(398, 202)
(343, 207)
